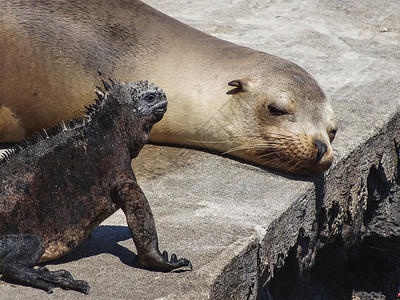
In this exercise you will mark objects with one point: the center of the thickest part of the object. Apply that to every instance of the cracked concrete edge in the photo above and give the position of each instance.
(233, 275)
(309, 224)
(283, 234)
(240, 276)
(347, 184)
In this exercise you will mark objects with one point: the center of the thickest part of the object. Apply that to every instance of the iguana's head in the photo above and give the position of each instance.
(146, 99)
(137, 107)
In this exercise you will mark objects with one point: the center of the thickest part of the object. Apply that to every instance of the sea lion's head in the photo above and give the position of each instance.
(288, 122)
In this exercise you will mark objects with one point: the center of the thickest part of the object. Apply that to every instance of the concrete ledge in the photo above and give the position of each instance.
(249, 231)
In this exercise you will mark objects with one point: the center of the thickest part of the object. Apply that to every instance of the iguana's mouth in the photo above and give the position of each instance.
(159, 110)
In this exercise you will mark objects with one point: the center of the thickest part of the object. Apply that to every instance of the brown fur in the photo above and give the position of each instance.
(48, 46)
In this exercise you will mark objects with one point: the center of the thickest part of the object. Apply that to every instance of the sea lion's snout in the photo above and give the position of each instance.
(321, 149)
(323, 157)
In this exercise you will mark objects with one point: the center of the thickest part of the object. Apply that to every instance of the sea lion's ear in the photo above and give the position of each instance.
(240, 86)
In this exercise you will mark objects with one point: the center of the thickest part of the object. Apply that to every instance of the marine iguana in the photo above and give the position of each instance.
(55, 189)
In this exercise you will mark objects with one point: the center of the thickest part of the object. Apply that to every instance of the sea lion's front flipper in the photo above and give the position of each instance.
(140, 220)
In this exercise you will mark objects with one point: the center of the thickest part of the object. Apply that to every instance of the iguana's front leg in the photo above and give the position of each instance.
(140, 220)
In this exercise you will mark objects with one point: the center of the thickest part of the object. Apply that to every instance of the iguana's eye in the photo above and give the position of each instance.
(276, 110)
(149, 98)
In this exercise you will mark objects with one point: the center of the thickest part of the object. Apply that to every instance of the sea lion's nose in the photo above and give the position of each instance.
(321, 149)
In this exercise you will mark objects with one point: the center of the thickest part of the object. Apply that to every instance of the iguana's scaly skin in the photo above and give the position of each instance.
(56, 189)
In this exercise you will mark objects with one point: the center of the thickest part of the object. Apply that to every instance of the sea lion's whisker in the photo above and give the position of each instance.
(295, 166)
(236, 149)
(208, 142)
(266, 155)
(267, 143)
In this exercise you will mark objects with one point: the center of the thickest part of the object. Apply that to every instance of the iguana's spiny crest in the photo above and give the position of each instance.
(140, 95)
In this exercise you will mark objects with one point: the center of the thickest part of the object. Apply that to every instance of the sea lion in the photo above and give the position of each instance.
(222, 96)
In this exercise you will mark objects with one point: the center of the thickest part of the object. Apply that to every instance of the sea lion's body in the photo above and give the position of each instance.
(45, 42)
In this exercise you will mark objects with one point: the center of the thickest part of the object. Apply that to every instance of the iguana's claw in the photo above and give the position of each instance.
(174, 263)
(156, 261)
